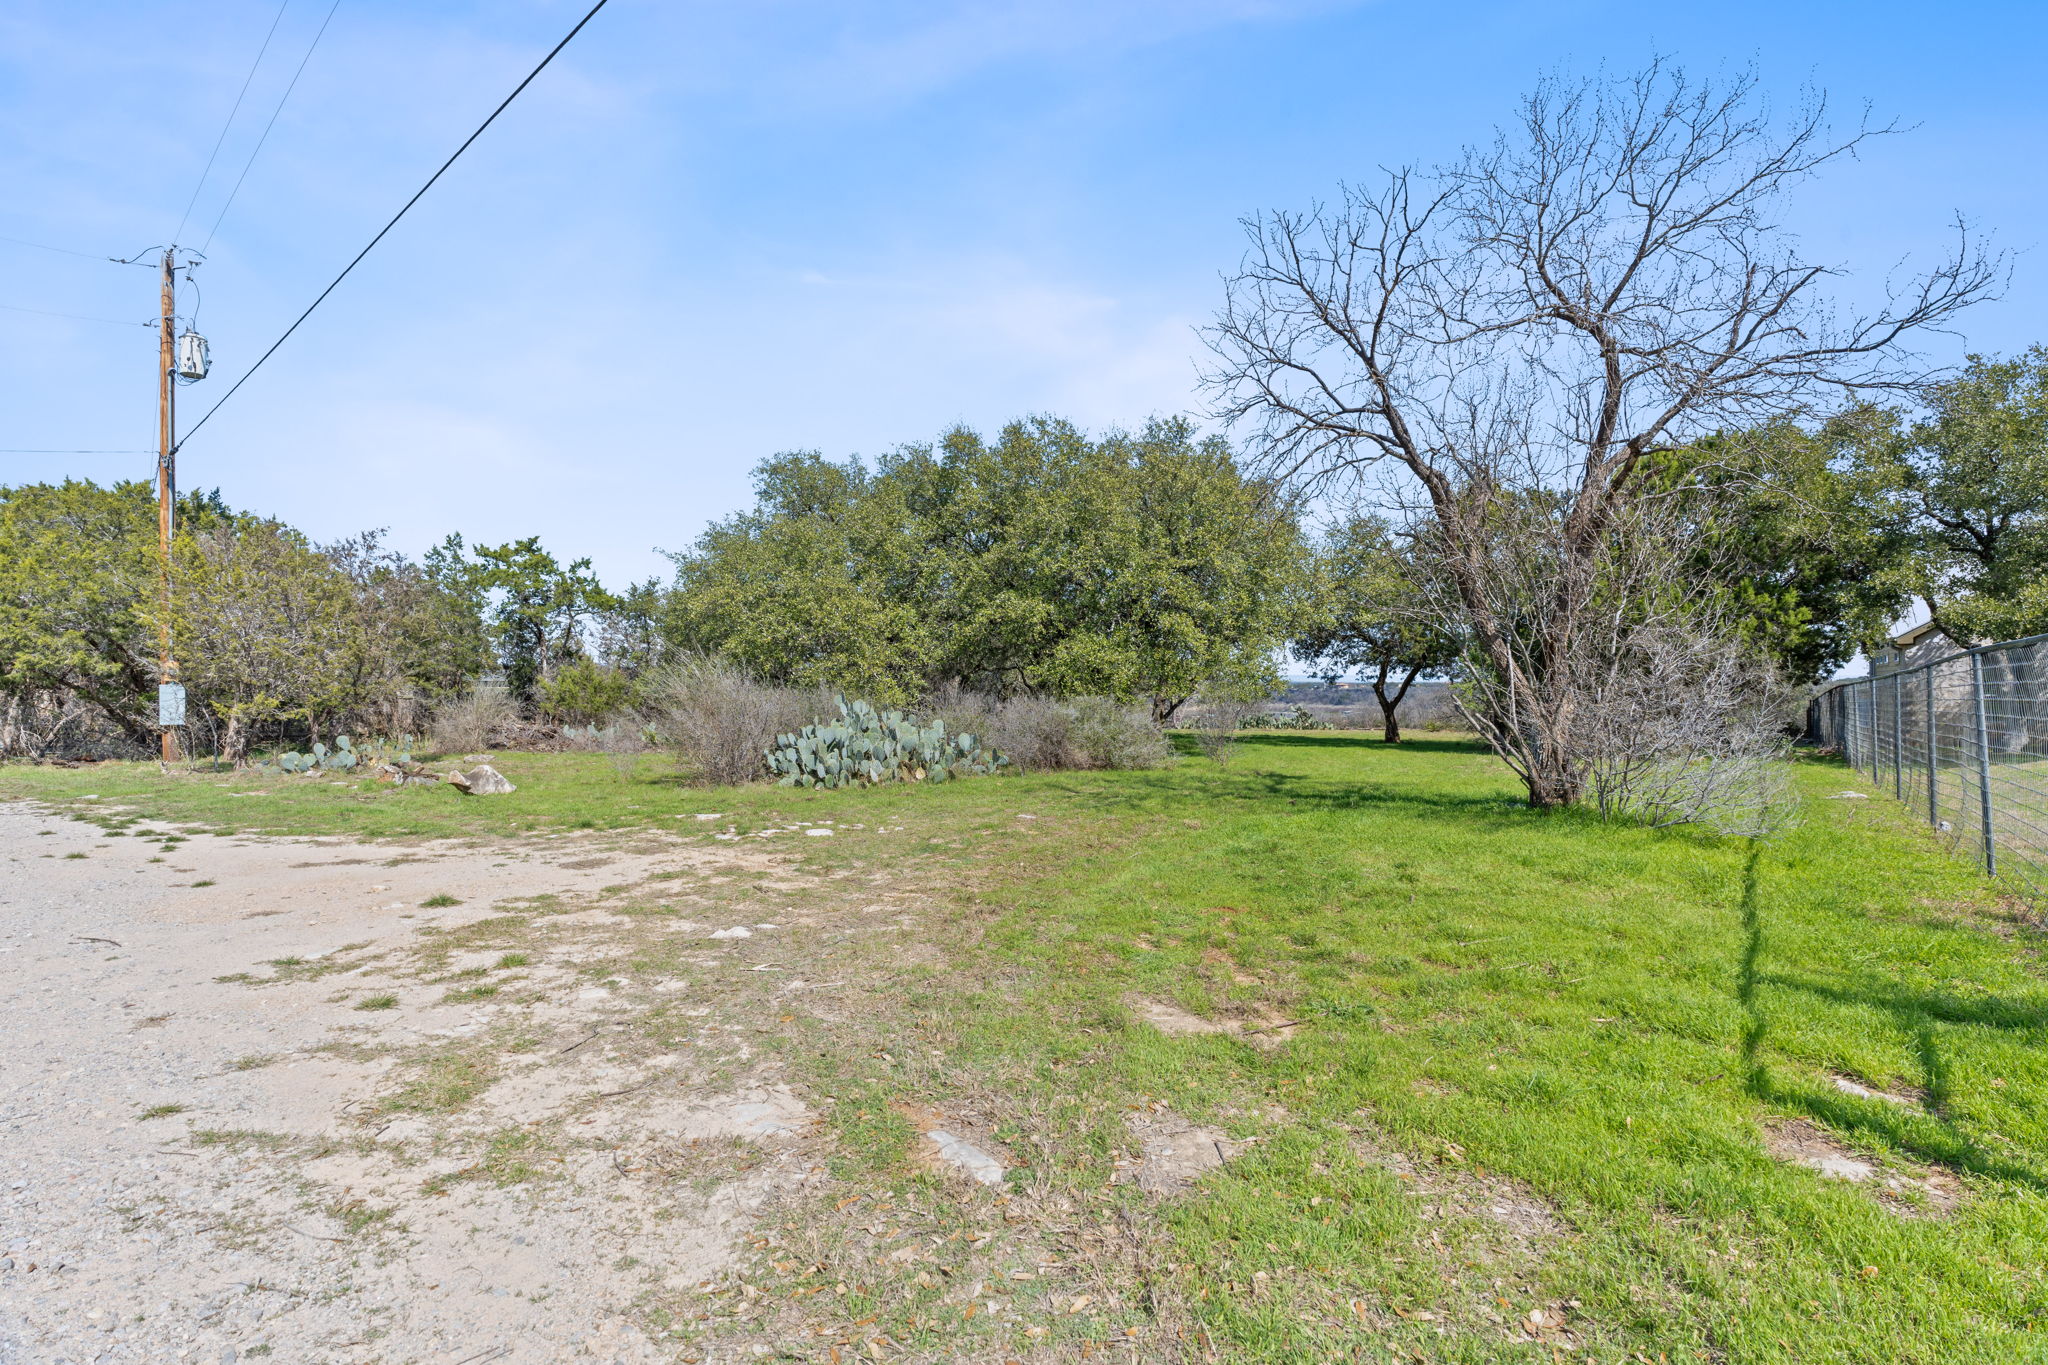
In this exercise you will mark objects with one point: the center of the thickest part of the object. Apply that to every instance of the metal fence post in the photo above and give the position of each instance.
(1933, 754)
(1898, 738)
(1983, 765)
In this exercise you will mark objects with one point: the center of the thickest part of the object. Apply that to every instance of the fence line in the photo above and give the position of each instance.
(1963, 741)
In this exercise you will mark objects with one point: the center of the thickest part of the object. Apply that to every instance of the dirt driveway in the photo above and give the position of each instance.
(241, 1116)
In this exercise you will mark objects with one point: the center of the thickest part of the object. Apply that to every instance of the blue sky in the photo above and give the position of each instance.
(713, 232)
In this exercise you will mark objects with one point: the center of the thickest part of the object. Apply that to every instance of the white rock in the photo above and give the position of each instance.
(815, 832)
(484, 780)
(737, 931)
(968, 1158)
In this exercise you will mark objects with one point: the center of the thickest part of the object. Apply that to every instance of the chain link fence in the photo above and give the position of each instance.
(1963, 740)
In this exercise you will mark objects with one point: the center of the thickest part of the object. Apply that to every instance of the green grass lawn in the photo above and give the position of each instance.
(1595, 1029)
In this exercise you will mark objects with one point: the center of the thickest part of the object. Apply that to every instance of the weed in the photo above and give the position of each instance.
(161, 1111)
(443, 1082)
(510, 1157)
(439, 901)
(357, 1216)
(377, 1002)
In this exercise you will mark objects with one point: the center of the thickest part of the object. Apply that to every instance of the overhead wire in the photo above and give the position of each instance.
(64, 250)
(75, 317)
(77, 452)
(506, 103)
(240, 95)
(265, 136)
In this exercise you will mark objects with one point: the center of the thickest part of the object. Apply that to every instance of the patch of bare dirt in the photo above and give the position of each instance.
(1256, 1022)
(1172, 1153)
(1524, 1218)
(298, 1109)
(1908, 1194)
(1177, 1022)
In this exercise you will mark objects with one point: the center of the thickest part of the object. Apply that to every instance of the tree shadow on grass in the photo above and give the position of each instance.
(1346, 740)
(1167, 787)
(1931, 1135)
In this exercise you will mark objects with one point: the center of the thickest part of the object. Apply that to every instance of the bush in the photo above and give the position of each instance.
(583, 693)
(719, 721)
(1039, 734)
(476, 720)
(1108, 734)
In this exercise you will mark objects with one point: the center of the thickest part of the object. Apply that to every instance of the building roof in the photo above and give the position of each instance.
(1906, 639)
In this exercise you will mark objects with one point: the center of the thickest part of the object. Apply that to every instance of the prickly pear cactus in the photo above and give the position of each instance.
(865, 746)
(344, 757)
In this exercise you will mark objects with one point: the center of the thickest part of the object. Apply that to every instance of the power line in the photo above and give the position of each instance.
(77, 452)
(394, 219)
(239, 97)
(64, 250)
(265, 137)
(75, 317)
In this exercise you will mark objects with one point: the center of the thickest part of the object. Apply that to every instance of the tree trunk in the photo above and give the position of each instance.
(1553, 779)
(1390, 707)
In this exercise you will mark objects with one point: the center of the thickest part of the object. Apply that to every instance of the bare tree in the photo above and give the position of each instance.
(1521, 333)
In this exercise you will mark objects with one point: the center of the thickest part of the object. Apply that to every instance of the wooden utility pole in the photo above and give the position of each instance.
(166, 488)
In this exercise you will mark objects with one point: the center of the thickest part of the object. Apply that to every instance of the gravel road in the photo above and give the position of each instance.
(186, 1169)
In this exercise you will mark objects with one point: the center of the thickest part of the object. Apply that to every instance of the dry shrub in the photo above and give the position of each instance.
(1216, 721)
(1039, 734)
(1108, 734)
(1690, 728)
(719, 721)
(479, 719)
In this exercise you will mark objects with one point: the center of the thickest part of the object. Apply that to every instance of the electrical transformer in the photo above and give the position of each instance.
(192, 356)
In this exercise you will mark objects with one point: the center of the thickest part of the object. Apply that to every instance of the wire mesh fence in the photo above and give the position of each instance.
(1963, 740)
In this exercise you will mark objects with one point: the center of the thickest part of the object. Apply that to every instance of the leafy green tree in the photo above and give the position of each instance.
(1802, 536)
(1369, 616)
(270, 629)
(817, 585)
(537, 608)
(1971, 486)
(1137, 566)
(1133, 566)
(629, 635)
(78, 586)
(458, 618)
